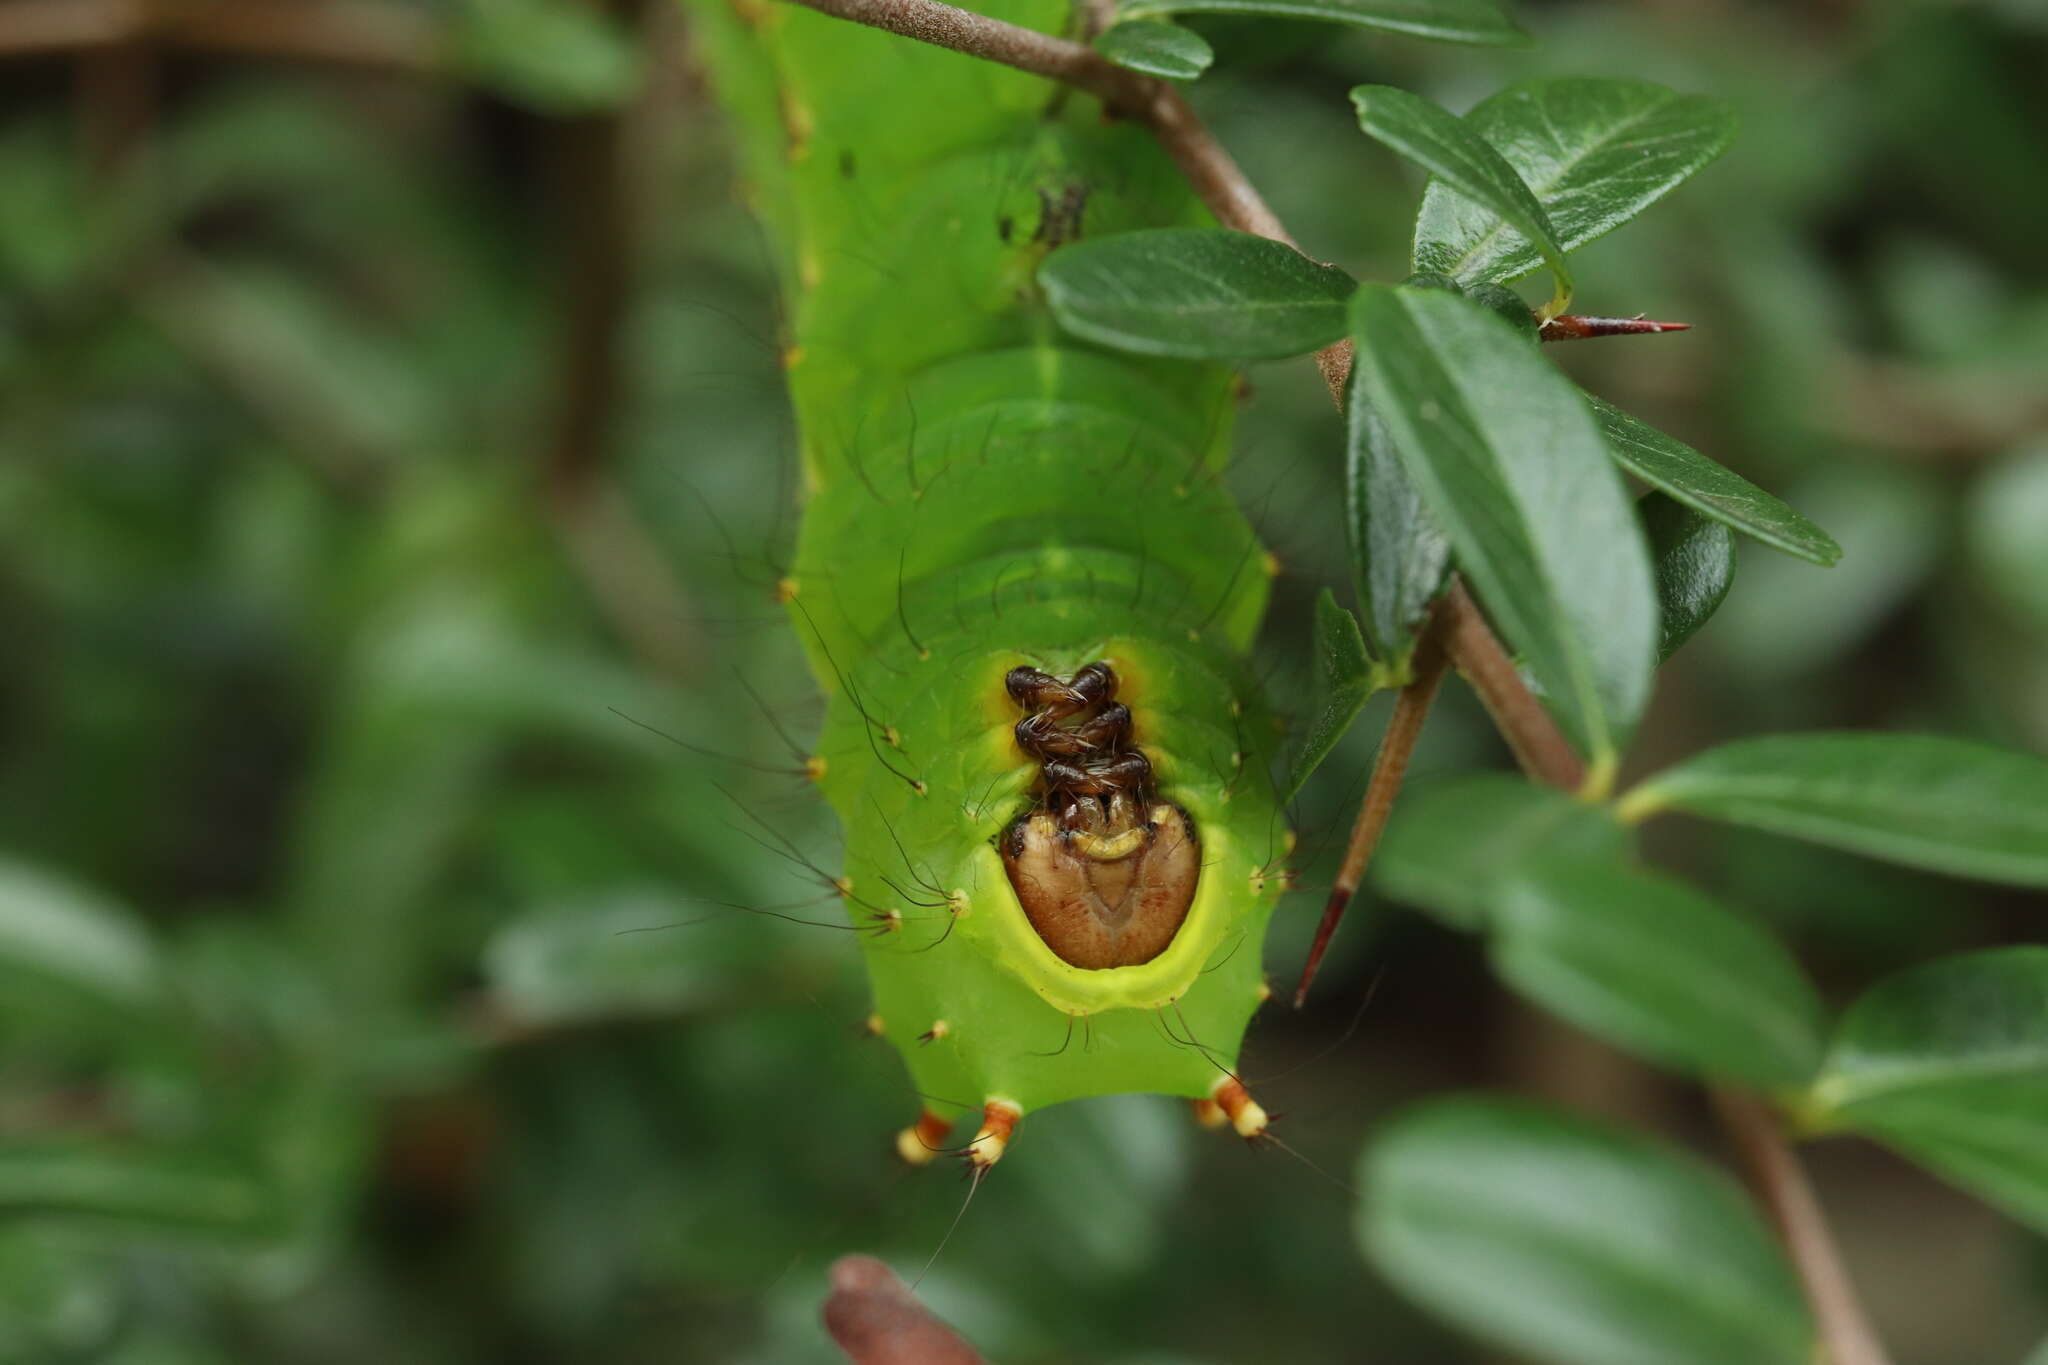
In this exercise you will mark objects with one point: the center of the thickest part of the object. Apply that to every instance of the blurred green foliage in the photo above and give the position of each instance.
(333, 806)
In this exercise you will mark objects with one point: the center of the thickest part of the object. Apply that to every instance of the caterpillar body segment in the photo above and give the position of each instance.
(986, 498)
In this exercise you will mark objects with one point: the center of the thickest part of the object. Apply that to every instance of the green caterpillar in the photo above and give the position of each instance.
(1061, 553)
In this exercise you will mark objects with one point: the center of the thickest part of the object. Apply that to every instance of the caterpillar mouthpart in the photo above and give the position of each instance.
(1102, 896)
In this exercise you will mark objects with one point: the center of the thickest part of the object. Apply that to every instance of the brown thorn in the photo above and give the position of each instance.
(1580, 327)
(1404, 727)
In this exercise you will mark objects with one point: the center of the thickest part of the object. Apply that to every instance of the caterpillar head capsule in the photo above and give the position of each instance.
(1109, 890)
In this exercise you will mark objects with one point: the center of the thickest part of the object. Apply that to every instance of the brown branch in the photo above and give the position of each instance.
(1404, 727)
(350, 32)
(1539, 746)
(1781, 1185)
(628, 577)
(877, 1320)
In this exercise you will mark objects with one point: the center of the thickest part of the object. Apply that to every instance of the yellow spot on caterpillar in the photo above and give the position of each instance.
(796, 125)
(919, 787)
(1236, 707)
(1272, 563)
(808, 271)
(1289, 840)
(792, 356)
(843, 885)
(1265, 992)
(892, 921)
(892, 737)
(1194, 636)
(875, 1027)
(939, 1029)
(814, 767)
(785, 590)
(958, 903)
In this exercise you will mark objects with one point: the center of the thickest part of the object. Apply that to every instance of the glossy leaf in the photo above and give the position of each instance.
(1451, 845)
(1694, 559)
(1157, 48)
(1511, 466)
(1947, 805)
(1398, 554)
(1658, 969)
(1462, 161)
(1948, 1061)
(1450, 21)
(1674, 468)
(1345, 678)
(1509, 305)
(1196, 294)
(1568, 1241)
(1595, 153)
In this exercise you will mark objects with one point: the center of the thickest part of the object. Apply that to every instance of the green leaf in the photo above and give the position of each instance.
(558, 56)
(1657, 968)
(1345, 678)
(61, 933)
(1157, 49)
(1594, 152)
(2008, 506)
(1948, 1062)
(1398, 554)
(1459, 159)
(1512, 467)
(1451, 845)
(1928, 801)
(618, 956)
(1695, 563)
(1569, 1241)
(1708, 488)
(1509, 305)
(1196, 294)
(172, 1190)
(1449, 21)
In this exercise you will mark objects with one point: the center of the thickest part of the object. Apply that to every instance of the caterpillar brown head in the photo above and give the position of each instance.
(1104, 872)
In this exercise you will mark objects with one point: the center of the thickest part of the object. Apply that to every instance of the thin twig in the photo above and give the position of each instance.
(1404, 727)
(1782, 1186)
(1539, 746)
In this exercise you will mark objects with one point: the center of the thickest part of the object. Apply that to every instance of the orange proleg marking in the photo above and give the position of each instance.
(998, 1122)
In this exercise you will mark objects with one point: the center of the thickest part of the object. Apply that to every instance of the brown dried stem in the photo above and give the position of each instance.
(351, 32)
(1781, 1185)
(1397, 746)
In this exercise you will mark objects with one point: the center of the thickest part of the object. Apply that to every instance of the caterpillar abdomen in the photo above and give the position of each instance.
(984, 496)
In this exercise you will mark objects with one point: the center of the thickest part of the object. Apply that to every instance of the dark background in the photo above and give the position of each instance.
(390, 430)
